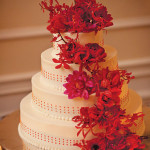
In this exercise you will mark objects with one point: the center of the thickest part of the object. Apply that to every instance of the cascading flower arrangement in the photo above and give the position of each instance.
(108, 123)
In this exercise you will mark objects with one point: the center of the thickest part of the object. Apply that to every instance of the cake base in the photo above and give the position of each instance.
(49, 133)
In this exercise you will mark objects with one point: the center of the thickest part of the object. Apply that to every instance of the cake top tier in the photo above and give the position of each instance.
(82, 16)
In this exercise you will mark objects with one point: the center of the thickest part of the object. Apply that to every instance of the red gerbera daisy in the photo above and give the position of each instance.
(79, 84)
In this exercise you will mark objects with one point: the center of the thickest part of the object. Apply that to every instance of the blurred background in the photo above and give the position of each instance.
(23, 36)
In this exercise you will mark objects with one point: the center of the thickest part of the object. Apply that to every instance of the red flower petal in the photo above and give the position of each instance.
(55, 60)
(58, 66)
(89, 84)
(66, 66)
(85, 94)
(116, 79)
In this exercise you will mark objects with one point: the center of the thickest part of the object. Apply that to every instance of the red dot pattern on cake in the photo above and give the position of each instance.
(53, 77)
(111, 63)
(101, 43)
(124, 99)
(138, 126)
(53, 44)
(46, 138)
(25, 147)
(41, 104)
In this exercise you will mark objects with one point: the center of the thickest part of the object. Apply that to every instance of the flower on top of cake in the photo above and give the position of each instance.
(83, 16)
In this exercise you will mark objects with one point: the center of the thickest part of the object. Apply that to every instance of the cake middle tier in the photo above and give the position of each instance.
(55, 104)
(55, 78)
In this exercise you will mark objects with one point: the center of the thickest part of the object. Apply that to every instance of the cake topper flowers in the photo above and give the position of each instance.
(83, 16)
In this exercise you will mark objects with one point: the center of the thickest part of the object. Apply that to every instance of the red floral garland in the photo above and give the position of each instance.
(106, 121)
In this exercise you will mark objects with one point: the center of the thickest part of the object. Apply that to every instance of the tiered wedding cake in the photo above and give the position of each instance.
(46, 113)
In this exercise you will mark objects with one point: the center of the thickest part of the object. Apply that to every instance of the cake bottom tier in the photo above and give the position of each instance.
(40, 132)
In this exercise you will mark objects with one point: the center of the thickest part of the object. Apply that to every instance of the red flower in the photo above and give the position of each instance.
(73, 52)
(112, 134)
(57, 24)
(84, 124)
(101, 17)
(68, 50)
(106, 99)
(95, 116)
(126, 76)
(91, 52)
(133, 141)
(96, 53)
(78, 84)
(129, 120)
(62, 62)
(96, 144)
(86, 55)
(109, 97)
(107, 80)
(84, 16)
(93, 144)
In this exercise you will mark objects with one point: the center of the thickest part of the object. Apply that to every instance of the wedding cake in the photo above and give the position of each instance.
(80, 99)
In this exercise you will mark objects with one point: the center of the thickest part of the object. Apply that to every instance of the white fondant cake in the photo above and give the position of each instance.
(46, 113)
